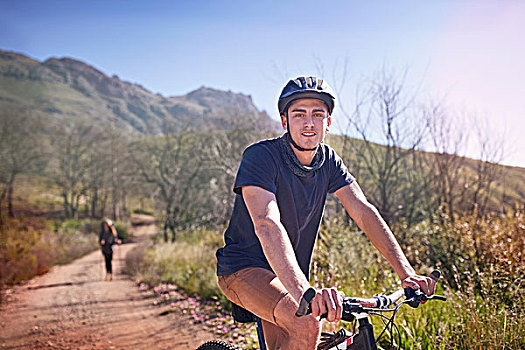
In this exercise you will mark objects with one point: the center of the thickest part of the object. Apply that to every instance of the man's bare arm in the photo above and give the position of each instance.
(266, 218)
(370, 221)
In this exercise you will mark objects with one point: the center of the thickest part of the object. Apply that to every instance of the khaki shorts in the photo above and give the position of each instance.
(256, 289)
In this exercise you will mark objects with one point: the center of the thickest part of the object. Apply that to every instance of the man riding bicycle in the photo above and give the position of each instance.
(281, 188)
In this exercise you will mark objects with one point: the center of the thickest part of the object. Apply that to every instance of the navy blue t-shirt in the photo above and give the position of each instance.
(301, 204)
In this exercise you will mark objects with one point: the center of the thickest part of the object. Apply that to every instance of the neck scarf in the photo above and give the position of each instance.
(293, 163)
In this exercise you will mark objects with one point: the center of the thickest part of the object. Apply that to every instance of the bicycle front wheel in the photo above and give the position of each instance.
(217, 345)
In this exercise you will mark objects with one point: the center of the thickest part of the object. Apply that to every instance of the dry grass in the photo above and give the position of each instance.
(484, 271)
(30, 246)
(481, 259)
(189, 262)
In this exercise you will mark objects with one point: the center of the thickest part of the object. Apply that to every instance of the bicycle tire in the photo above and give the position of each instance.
(217, 345)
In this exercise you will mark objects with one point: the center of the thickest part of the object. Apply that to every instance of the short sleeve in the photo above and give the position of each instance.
(339, 174)
(257, 168)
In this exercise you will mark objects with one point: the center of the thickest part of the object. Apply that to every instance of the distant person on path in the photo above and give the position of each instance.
(281, 188)
(107, 238)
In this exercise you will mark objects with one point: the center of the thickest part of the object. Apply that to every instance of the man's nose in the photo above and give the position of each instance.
(309, 120)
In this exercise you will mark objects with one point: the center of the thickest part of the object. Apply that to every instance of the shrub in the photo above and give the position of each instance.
(490, 317)
(122, 230)
(135, 260)
(189, 262)
(30, 246)
(481, 260)
(345, 258)
(19, 241)
(482, 263)
(189, 266)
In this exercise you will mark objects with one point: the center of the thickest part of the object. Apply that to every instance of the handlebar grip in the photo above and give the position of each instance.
(304, 305)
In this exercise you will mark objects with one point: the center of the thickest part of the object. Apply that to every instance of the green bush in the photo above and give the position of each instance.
(483, 270)
(345, 258)
(481, 260)
(189, 266)
(189, 262)
(122, 230)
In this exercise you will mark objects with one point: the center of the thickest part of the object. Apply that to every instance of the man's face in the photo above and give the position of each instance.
(308, 121)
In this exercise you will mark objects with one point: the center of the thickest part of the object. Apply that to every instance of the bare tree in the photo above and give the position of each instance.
(487, 169)
(74, 147)
(171, 163)
(97, 179)
(460, 184)
(391, 128)
(221, 155)
(22, 149)
(108, 173)
(448, 180)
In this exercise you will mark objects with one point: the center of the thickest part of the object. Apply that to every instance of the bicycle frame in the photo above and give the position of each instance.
(260, 333)
(353, 309)
(363, 340)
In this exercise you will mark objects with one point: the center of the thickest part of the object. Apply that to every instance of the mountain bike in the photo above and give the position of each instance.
(355, 310)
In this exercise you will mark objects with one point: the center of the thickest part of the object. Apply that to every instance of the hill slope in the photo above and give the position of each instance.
(64, 88)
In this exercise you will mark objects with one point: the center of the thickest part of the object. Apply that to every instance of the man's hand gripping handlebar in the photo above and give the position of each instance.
(379, 301)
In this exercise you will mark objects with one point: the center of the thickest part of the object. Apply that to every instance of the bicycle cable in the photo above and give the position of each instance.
(390, 323)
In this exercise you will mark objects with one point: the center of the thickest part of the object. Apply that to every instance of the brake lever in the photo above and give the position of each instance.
(414, 297)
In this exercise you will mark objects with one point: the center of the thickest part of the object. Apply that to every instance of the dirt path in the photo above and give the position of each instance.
(71, 307)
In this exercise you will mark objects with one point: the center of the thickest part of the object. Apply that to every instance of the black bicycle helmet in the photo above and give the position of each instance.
(306, 87)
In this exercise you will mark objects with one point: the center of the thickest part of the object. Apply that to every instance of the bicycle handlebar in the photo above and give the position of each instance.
(379, 302)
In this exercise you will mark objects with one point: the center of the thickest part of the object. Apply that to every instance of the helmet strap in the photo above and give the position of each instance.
(289, 137)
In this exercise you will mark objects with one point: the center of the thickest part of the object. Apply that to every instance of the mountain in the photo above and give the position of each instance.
(64, 89)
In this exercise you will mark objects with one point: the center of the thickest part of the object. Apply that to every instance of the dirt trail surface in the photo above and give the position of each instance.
(72, 307)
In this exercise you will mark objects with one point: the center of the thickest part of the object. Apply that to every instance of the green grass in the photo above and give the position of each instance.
(483, 282)
(485, 298)
(188, 262)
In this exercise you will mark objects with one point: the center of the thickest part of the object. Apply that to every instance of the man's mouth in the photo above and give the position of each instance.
(308, 133)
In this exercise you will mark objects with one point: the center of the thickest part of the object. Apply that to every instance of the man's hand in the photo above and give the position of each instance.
(427, 284)
(328, 301)
(102, 242)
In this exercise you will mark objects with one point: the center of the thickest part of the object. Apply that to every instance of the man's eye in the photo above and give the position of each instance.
(319, 115)
(299, 115)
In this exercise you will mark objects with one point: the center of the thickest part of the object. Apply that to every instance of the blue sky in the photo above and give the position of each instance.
(469, 52)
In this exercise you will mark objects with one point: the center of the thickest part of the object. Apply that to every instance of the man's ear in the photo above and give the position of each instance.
(328, 123)
(284, 122)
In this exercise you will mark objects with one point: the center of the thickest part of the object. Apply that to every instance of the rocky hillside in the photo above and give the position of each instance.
(64, 89)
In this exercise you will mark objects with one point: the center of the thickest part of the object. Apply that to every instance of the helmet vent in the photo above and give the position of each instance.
(306, 87)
